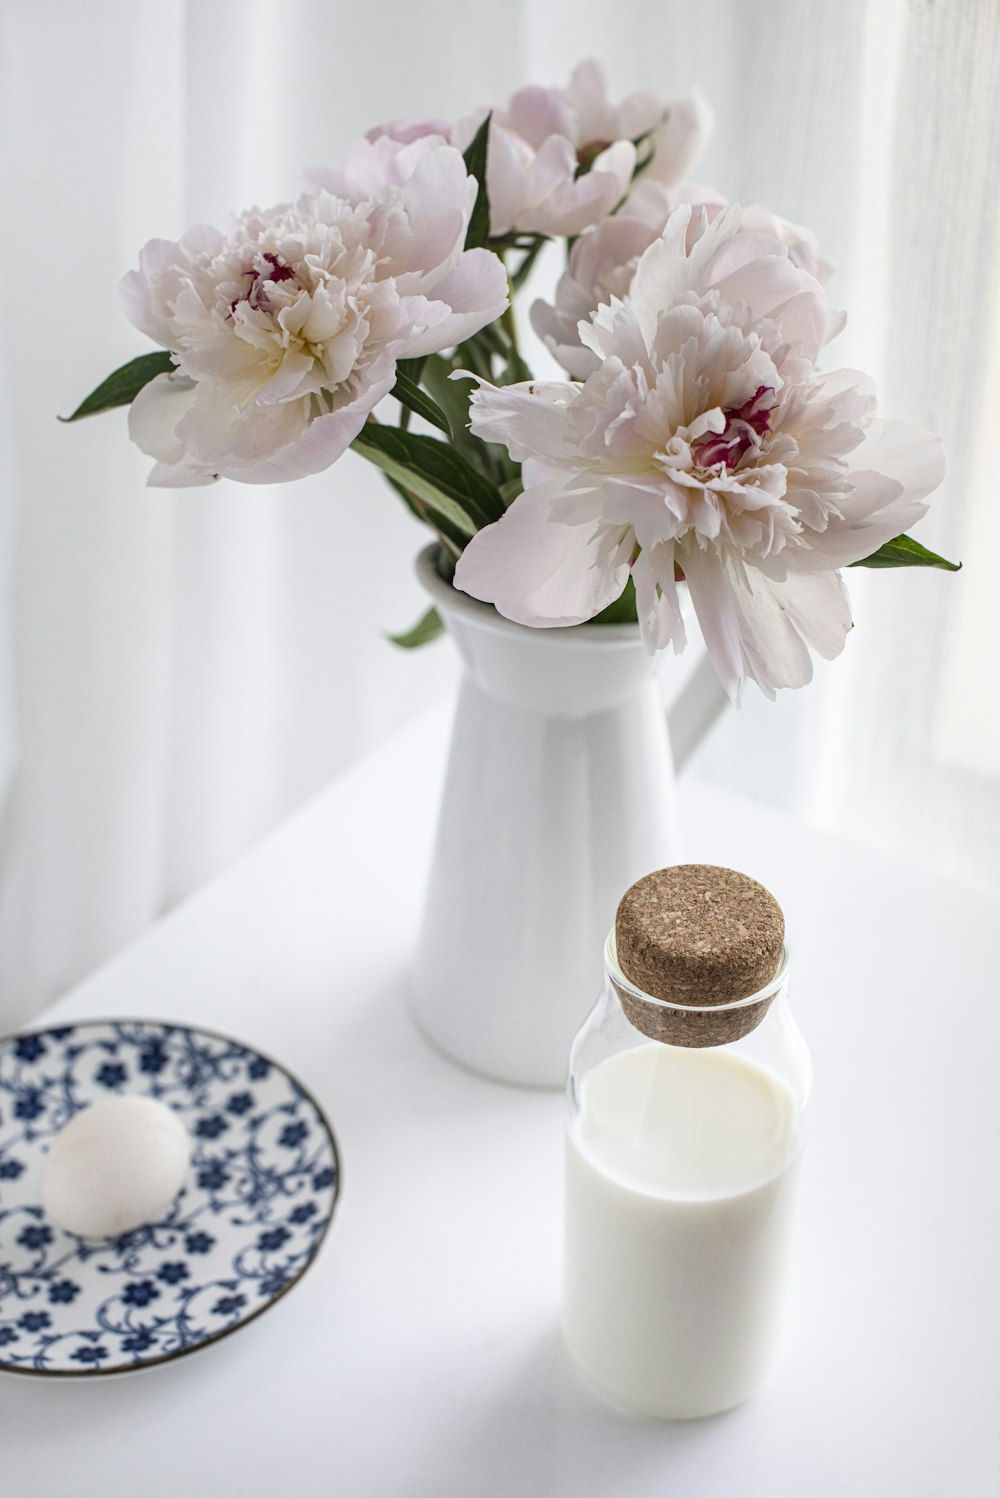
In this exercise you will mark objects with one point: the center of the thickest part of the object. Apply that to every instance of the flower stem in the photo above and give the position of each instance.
(510, 326)
(506, 319)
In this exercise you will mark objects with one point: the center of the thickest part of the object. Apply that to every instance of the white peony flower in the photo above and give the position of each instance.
(286, 331)
(603, 261)
(704, 445)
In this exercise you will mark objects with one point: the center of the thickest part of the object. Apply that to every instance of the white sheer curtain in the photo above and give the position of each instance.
(177, 670)
(886, 138)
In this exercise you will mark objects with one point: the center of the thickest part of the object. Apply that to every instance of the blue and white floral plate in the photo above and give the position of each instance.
(258, 1200)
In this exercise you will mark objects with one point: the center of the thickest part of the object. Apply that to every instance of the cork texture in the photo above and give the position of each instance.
(696, 934)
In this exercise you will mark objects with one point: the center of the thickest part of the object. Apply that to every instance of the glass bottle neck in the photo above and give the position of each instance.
(772, 1041)
(692, 1024)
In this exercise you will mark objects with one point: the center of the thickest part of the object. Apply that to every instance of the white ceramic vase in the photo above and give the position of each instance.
(559, 793)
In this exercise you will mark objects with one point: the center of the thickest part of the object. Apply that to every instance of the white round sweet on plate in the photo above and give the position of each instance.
(115, 1166)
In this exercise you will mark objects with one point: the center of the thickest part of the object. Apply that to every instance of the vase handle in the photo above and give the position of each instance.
(694, 711)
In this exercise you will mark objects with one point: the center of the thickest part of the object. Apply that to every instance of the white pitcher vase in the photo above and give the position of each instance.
(559, 793)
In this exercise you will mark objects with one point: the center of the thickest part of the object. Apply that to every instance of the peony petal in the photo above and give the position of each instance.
(600, 268)
(710, 594)
(657, 604)
(437, 200)
(373, 164)
(406, 131)
(552, 171)
(805, 320)
(637, 115)
(155, 413)
(138, 292)
(614, 332)
(146, 294)
(759, 628)
(618, 161)
(593, 118)
(582, 202)
(558, 333)
(226, 438)
(906, 453)
(741, 250)
(667, 272)
(616, 242)
(874, 511)
(681, 140)
(542, 572)
(530, 420)
(539, 192)
(184, 475)
(536, 113)
(878, 505)
(322, 442)
(505, 178)
(475, 292)
(765, 283)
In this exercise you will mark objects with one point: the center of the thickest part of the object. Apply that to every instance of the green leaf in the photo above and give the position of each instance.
(452, 541)
(412, 368)
(424, 498)
(905, 552)
(451, 396)
(435, 474)
(510, 490)
(423, 632)
(477, 352)
(516, 372)
(478, 231)
(622, 611)
(474, 355)
(487, 458)
(122, 387)
(415, 400)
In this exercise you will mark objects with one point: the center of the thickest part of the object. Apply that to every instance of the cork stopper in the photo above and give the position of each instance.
(700, 938)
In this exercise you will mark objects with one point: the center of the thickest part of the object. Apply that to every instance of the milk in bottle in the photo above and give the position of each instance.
(683, 1151)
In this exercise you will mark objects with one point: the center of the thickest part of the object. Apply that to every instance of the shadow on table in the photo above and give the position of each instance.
(544, 1434)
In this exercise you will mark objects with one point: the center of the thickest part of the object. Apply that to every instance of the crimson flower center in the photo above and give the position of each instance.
(743, 432)
(259, 279)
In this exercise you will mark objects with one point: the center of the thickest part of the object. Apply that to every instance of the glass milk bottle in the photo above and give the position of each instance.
(686, 1093)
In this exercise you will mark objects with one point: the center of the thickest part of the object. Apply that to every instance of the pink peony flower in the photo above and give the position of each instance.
(407, 131)
(603, 261)
(680, 140)
(541, 139)
(286, 331)
(537, 190)
(582, 112)
(704, 443)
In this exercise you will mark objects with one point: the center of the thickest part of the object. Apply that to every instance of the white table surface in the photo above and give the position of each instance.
(420, 1356)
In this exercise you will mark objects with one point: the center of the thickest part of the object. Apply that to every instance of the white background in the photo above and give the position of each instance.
(177, 670)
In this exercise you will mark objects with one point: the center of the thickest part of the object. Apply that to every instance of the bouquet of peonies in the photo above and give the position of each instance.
(694, 438)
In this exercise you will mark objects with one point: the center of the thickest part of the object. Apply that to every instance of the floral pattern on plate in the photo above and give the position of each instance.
(258, 1199)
